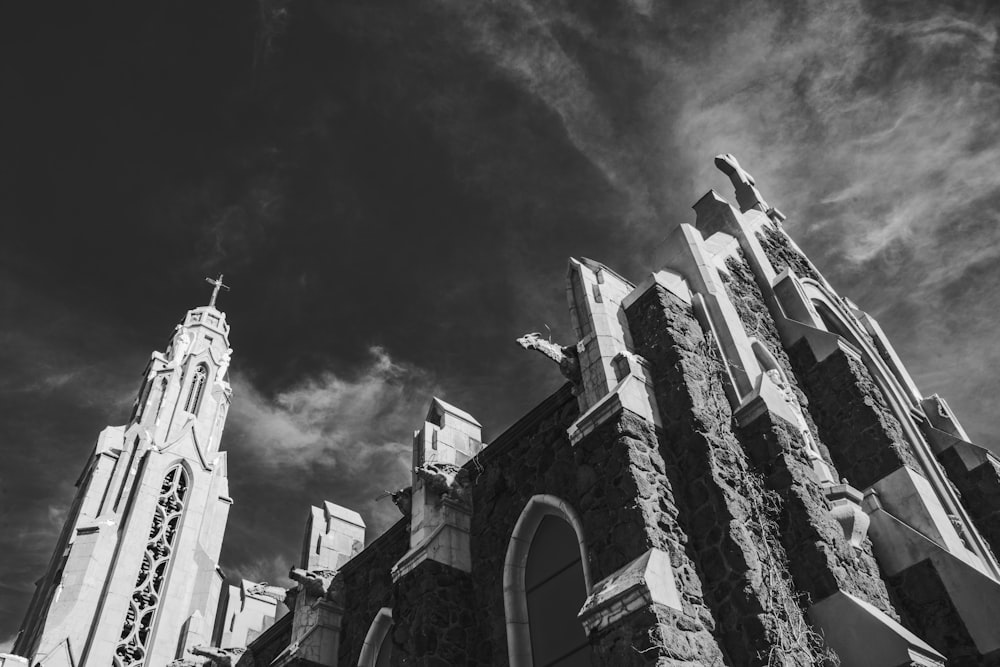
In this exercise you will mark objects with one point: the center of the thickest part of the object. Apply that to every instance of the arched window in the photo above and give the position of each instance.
(193, 401)
(546, 581)
(133, 645)
(377, 649)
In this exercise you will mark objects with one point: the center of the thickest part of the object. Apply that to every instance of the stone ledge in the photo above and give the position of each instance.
(448, 544)
(646, 581)
(863, 636)
(633, 393)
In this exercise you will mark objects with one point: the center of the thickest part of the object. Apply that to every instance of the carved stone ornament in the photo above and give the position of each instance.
(845, 506)
(446, 480)
(565, 356)
(316, 584)
(180, 345)
(820, 467)
(274, 592)
(403, 500)
(189, 662)
(225, 657)
(227, 357)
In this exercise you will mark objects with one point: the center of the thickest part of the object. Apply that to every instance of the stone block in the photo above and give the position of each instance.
(863, 636)
(646, 581)
(909, 498)
(334, 535)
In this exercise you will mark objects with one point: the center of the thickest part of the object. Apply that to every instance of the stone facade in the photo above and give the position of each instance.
(738, 471)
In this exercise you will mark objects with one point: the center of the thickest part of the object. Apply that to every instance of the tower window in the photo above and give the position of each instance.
(197, 389)
(144, 603)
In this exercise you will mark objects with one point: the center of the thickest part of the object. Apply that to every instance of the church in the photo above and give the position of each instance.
(738, 470)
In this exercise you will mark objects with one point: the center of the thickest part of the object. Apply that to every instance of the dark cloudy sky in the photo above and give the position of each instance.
(392, 190)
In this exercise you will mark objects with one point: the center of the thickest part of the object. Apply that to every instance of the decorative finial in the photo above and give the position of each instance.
(747, 194)
(215, 292)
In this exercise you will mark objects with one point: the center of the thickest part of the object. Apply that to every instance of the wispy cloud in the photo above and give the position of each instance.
(343, 438)
(891, 124)
(332, 421)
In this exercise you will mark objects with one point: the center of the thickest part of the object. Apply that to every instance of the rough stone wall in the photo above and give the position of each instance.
(724, 507)
(615, 479)
(821, 560)
(632, 511)
(533, 456)
(980, 490)
(864, 437)
(782, 254)
(866, 443)
(434, 619)
(368, 587)
(746, 297)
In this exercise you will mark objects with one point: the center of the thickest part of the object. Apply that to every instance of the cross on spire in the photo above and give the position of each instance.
(215, 292)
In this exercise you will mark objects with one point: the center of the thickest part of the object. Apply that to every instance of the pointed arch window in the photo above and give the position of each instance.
(546, 581)
(133, 644)
(197, 389)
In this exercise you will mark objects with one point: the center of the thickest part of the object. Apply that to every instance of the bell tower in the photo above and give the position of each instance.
(134, 579)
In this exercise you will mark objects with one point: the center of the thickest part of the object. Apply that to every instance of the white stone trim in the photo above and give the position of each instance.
(377, 631)
(862, 634)
(647, 580)
(514, 598)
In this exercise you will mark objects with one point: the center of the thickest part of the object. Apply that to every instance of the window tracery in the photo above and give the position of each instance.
(134, 641)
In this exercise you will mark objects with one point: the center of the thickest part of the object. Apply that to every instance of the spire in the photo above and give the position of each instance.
(215, 292)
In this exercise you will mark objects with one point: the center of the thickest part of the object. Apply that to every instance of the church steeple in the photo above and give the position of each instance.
(187, 385)
(134, 580)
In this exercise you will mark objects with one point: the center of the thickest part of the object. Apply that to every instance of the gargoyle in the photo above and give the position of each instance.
(403, 500)
(447, 480)
(275, 592)
(190, 662)
(225, 657)
(565, 356)
(316, 584)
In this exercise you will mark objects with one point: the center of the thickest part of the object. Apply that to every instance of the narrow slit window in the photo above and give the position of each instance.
(197, 389)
